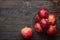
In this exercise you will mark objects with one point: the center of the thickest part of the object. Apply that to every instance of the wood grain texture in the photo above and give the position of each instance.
(15, 14)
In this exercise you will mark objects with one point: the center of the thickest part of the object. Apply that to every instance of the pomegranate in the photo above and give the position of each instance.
(26, 32)
(52, 18)
(44, 23)
(37, 18)
(37, 27)
(51, 30)
(43, 13)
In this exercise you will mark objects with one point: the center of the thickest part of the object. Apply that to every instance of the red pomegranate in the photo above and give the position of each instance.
(37, 18)
(37, 27)
(51, 30)
(52, 18)
(26, 32)
(43, 13)
(44, 23)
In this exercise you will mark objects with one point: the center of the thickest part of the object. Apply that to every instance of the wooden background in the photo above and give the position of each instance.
(15, 14)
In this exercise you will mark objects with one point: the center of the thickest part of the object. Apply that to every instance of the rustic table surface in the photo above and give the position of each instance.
(15, 14)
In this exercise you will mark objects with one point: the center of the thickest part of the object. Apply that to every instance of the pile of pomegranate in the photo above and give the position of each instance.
(44, 22)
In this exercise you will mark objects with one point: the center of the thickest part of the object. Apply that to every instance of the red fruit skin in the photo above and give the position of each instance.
(37, 18)
(37, 27)
(52, 18)
(26, 32)
(44, 23)
(43, 13)
(51, 30)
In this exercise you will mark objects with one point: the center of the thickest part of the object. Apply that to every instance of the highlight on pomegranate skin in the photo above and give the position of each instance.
(26, 32)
